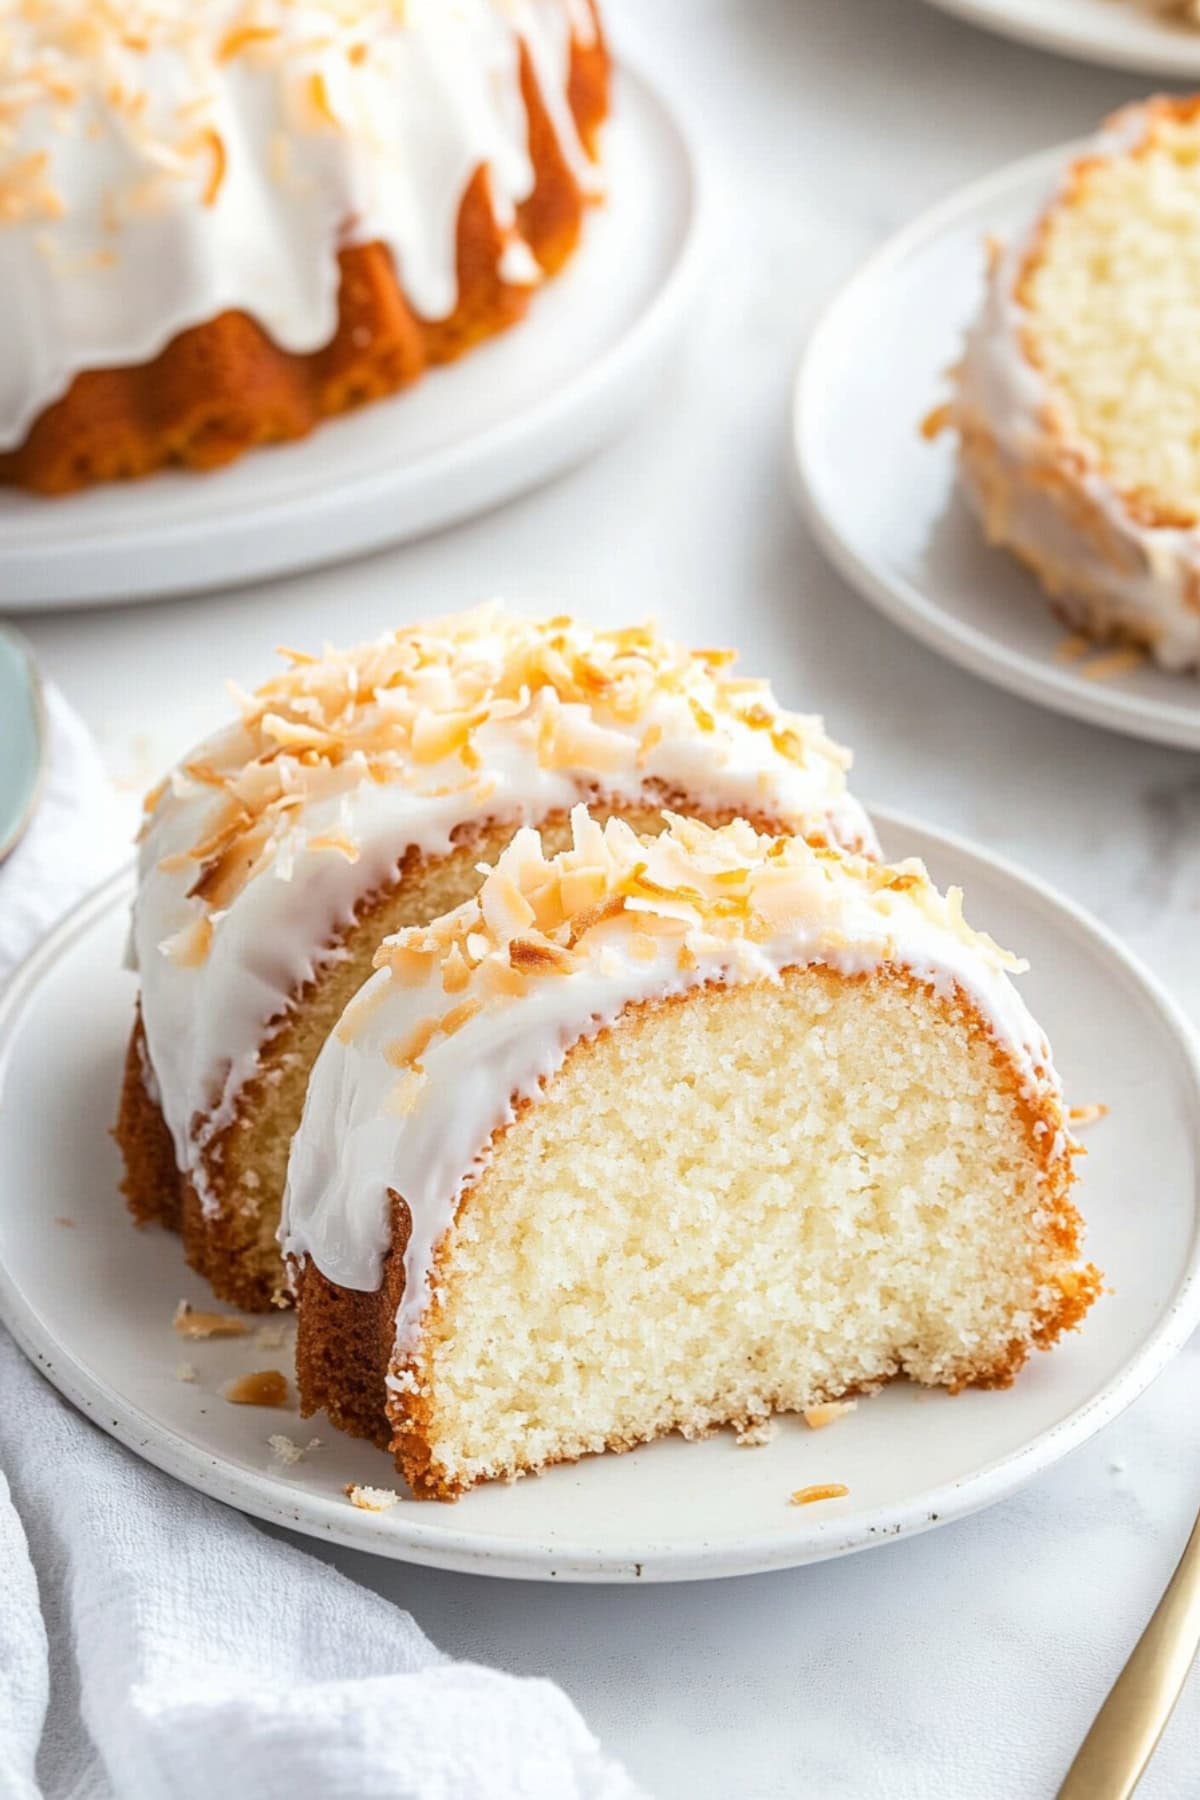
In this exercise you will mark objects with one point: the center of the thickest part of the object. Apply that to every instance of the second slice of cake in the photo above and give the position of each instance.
(1078, 398)
(658, 1134)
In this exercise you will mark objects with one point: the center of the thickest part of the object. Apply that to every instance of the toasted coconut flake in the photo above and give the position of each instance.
(405, 1052)
(539, 958)
(505, 909)
(501, 980)
(215, 145)
(591, 916)
(818, 1417)
(243, 38)
(340, 841)
(456, 971)
(188, 948)
(1088, 1115)
(262, 1387)
(408, 965)
(822, 1490)
(458, 1016)
(319, 101)
(937, 420)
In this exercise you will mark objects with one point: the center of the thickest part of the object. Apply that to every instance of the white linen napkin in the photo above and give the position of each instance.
(156, 1645)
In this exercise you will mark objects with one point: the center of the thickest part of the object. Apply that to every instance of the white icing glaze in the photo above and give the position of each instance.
(150, 179)
(804, 907)
(205, 1016)
(1144, 577)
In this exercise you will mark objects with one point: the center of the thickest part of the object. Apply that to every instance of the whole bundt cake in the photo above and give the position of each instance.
(223, 220)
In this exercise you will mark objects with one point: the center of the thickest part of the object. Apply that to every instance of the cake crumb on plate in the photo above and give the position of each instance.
(757, 1432)
(370, 1499)
(288, 1452)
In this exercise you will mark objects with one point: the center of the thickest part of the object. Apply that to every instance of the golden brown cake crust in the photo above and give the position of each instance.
(223, 387)
(345, 1338)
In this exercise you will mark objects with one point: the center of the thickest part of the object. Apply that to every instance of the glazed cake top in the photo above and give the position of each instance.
(467, 1017)
(163, 161)
(261, 843)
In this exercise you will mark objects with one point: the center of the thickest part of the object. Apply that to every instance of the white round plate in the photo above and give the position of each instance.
(1120, 33)
(528, 404)
(883, 500)
(91, 1299)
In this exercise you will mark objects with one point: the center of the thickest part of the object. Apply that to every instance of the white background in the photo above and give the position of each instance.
(968, 1663)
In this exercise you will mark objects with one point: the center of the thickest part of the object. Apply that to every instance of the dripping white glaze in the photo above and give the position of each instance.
(205, 1022)
(153, 179)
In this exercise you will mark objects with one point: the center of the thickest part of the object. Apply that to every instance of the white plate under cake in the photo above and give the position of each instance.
(94, 1301)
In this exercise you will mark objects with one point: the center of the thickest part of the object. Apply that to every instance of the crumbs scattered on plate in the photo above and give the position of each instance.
(287, 1452)
(758, 1431)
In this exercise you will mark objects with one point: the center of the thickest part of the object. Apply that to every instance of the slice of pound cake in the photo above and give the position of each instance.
(657, 1134)
(1078, 399)
(357, 794)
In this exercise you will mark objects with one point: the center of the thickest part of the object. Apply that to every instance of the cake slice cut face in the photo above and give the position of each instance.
(1079, 393)
(357, 794)
(660, 1134)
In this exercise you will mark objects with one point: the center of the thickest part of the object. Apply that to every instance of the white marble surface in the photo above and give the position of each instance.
(965, 1664)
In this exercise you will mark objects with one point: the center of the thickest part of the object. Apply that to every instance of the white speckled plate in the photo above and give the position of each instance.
(882, 499)
(524, 407)
(1121, 33)
(91, 1299)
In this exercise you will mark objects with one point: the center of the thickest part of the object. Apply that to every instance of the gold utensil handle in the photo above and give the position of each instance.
(1115, 1751)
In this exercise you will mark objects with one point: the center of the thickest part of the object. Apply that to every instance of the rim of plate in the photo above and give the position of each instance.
(983, 653)
(269, 1498)
(639, 346)
(1145, 45)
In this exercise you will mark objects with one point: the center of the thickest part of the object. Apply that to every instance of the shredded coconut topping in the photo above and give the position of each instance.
(697, 889)
(260, 848)
(83, 61)
(415, 707)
